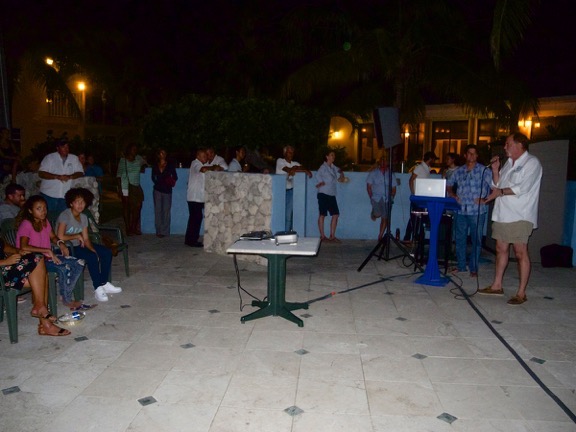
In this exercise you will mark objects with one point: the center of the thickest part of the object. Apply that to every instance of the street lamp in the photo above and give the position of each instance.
(81, 85)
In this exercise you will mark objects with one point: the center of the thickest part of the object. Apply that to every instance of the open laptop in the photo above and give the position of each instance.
(430, 187)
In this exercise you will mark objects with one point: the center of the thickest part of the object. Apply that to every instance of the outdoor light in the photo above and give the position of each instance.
(49, 61)
(81, 85)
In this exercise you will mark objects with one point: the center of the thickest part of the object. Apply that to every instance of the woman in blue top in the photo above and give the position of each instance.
(328, 174)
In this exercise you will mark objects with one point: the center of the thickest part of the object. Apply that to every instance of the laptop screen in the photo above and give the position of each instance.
(430, 187)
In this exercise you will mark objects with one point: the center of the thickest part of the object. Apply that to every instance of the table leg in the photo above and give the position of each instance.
(276, 304)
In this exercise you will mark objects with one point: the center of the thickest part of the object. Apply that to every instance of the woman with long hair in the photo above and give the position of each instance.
(131, 192)
(35, 234)
(164, 178)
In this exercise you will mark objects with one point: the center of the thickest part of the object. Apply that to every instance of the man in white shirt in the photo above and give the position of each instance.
(422, 171)
(515, 192)
(195, 197)
(57, 170)
(288, 166)
(215, 160)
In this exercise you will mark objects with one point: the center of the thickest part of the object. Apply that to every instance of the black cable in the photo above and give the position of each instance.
(520, 360)
(240, 288)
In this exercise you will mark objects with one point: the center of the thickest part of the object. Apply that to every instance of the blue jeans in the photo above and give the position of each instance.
(289, 209)
(98, 263)
(55, 205)
(68, 271)
(475, 225)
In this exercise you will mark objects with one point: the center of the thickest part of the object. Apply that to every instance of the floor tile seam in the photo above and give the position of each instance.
(496, 386)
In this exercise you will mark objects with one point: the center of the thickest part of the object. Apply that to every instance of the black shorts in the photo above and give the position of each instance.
(327, 203)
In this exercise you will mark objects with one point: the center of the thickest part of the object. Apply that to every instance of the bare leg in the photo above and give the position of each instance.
(501, 264)
(521, 252)
(38, 281)
(333, 224)
(383, 225)
(321, 227)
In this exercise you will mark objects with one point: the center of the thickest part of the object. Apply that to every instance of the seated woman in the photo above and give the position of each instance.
(72, 225)
(35, 235)
(29, 270)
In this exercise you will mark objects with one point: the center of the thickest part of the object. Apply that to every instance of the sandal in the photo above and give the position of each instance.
(517, 300)
(48, 316)
(61, 332)
(490, 291)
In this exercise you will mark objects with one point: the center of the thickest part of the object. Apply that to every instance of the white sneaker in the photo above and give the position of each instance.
(100, 294)
(111, 289)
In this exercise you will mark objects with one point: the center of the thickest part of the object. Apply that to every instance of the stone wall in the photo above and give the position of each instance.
(235, 203)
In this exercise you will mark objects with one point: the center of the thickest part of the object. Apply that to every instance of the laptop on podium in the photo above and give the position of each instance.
(430, 187)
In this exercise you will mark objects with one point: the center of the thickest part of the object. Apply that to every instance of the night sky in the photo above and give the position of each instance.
(179, 46)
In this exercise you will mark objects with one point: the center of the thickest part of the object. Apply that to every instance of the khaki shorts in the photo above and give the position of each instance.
(512, 232)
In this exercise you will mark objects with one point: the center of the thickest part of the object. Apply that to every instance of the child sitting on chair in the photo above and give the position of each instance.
(72, 225)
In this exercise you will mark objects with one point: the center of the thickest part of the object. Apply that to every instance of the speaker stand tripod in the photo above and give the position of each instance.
(382, 249)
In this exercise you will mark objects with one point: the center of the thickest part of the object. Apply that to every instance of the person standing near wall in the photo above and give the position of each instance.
(236, 163)
(216, 161)
(195, 198)
(421, 171)
(287, 166)
(164, 177)
(328, 175)
(131, 194)
(377, 186)
(515, 192)
(56, 171)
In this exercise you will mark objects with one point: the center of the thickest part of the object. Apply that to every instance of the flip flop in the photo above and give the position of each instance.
(61, 331)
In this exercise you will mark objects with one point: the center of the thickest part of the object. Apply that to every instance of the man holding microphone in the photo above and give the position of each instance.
(515, 192)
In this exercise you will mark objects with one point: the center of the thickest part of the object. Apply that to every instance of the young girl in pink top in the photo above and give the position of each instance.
(35, 234)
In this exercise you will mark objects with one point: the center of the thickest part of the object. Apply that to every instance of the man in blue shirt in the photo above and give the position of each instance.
(473, 180)
(377, 186)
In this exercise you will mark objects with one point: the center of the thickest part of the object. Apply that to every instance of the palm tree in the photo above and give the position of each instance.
(422, 50)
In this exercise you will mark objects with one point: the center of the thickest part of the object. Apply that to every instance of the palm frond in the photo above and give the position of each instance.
(511, 18)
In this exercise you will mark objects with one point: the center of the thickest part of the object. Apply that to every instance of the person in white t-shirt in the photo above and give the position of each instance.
(288, 166)
(215, 160)
(56, 171)
(422, 171)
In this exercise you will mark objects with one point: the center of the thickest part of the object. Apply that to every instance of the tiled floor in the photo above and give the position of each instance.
(381, 354)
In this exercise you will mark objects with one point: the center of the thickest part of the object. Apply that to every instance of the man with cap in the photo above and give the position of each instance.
(422, 171)
(57, 170)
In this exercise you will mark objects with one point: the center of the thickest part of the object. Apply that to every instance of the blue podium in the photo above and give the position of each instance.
(436, 207)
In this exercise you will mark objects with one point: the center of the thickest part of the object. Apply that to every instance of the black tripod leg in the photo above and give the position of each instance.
(371, 254)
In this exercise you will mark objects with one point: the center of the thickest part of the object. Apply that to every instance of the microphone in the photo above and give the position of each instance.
(501, 158)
